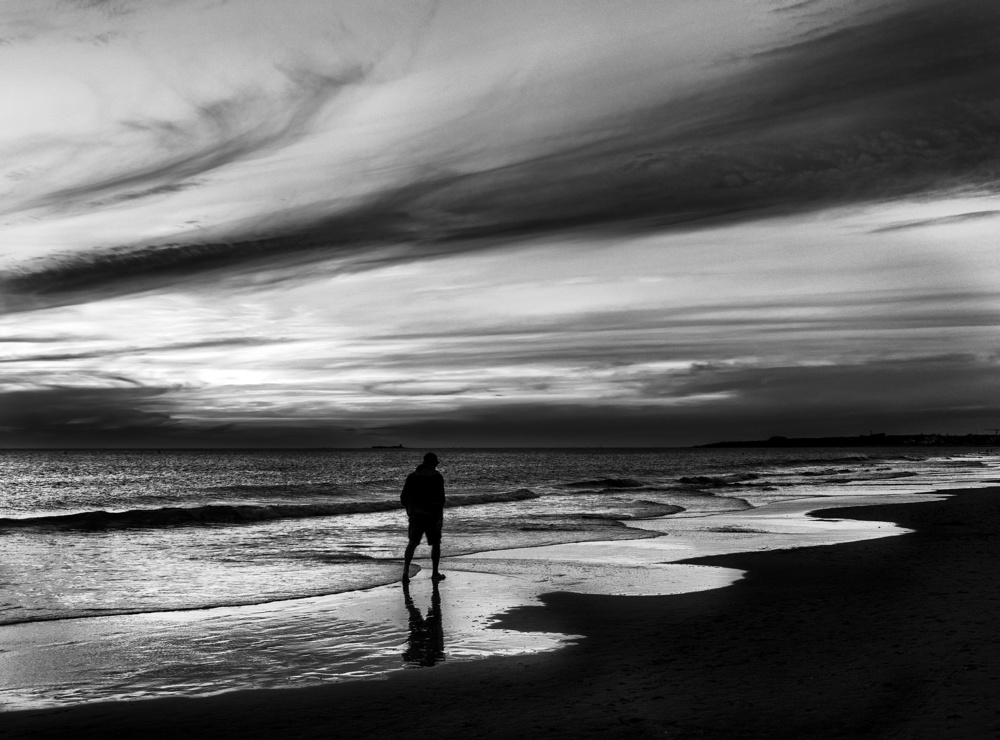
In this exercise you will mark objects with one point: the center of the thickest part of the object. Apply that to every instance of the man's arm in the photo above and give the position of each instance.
(439, 490)
(407, 493)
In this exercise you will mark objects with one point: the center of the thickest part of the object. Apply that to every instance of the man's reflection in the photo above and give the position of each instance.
(425, 646)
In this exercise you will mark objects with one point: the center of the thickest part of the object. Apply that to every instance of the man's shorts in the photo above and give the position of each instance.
(425, 524)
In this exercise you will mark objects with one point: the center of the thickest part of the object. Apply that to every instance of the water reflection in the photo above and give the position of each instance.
(425, 644)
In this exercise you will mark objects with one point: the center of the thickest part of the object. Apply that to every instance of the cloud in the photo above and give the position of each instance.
(127, 415)
(945, 394)
(884, 106)
(157, 98)
(710, 402)
(940, 221)
(64, 415)
(40, 338)
(109, 352)
(674, 375)
(218, 133)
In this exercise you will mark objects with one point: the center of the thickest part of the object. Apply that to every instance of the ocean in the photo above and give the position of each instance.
(252, 537)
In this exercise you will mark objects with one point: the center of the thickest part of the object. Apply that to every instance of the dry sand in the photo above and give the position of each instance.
(885, 638)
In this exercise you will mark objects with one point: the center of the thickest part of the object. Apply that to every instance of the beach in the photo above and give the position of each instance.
(469, 369)
(892, 637)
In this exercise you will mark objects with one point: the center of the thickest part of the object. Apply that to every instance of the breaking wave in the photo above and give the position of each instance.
(718, 480)
(236, 514)
(606, 483)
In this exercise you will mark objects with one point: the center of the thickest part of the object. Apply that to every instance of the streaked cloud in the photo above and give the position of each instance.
(941, 221)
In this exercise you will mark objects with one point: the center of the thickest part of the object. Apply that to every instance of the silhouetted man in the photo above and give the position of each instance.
(423, 497)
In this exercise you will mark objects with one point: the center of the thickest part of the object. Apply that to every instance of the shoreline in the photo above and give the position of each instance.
(834, 640)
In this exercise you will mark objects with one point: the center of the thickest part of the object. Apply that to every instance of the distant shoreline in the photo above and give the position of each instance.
(870, 440)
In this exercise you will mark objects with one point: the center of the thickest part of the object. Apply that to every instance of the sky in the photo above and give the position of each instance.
(469, 223)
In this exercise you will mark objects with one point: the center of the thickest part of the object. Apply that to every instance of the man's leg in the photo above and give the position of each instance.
(435, 543)
(411, 548)
(435, 560)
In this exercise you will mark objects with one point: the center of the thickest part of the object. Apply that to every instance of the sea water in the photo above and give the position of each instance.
(103, 532)
(167, 536)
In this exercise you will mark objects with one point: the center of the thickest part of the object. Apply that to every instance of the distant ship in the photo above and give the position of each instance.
(388, 447)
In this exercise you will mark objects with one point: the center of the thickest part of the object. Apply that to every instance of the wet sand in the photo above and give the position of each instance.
(889, 638)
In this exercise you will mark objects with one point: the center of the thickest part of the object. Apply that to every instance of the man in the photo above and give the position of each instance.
(423, 497)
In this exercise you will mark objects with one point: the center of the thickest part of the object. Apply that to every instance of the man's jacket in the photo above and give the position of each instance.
(423, 492)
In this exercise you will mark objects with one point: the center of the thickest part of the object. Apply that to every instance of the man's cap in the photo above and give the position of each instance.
(430, 457)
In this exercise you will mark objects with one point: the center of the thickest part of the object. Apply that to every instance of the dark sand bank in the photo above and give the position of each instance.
(887, 638)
